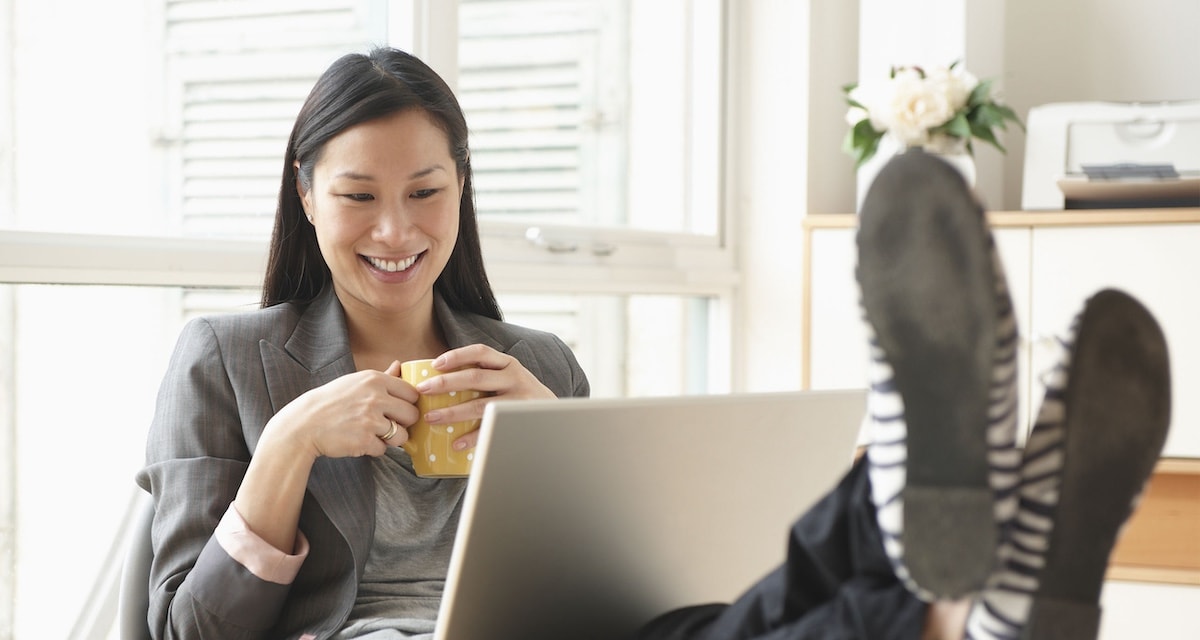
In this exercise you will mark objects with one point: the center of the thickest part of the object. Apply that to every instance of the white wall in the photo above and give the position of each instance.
(1096, 50)
(769, 186)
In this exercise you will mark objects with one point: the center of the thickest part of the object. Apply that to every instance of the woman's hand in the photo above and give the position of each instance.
(343, 418)
(349, 416)
(480, 368)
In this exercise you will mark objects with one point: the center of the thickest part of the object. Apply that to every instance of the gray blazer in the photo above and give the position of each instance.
(228, 375)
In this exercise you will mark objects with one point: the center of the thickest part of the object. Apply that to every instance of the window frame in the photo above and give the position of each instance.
(519, 257)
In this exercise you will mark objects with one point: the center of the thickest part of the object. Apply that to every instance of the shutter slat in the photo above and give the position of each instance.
(529, 87)
(208, 149)
(526, 181)
(261, 167)
(526, 159)
(248, 207)
(223, 9)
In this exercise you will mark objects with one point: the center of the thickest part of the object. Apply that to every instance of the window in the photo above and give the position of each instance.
(594, 112)
(594, 137)
(137, 188)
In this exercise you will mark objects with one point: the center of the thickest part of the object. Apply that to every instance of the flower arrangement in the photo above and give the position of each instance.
(940, 110)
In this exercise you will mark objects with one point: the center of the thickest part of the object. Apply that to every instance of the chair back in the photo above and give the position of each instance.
(133, 602)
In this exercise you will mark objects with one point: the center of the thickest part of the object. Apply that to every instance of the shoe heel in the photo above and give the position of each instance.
(958, 537)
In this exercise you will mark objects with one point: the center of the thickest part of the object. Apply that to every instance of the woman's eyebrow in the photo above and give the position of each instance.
(354, 175)
(428, 170)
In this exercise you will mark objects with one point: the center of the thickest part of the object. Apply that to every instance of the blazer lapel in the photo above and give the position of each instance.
(318, 352)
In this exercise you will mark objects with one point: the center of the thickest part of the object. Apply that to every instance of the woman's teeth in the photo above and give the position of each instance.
(392, 266)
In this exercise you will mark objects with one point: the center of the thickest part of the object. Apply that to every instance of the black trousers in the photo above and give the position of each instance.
(836, 583)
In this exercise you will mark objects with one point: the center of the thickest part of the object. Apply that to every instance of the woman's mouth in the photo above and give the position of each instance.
(392, 266)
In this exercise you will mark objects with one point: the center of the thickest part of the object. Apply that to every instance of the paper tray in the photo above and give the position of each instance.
(1081, 189)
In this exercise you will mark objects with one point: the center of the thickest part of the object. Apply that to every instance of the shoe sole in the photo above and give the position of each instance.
(1118, 410)
(928, 287)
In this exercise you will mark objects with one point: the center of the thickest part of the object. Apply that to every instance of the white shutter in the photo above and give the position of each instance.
(237, 73)
(542, 84)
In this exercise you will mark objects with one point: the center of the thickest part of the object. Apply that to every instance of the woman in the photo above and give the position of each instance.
(284, 505)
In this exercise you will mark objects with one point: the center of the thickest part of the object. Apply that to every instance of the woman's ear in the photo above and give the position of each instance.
(304, 204)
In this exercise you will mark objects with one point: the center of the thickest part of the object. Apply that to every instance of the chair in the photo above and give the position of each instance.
(133, 601)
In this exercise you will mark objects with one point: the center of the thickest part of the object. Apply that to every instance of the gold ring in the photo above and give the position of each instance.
(392, 433)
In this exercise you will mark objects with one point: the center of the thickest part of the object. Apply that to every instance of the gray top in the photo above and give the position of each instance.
(415, 522)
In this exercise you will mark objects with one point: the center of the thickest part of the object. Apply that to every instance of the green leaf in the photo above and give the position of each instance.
(866, 153)
(1008, 114)
(987, 136)
(862, 141)
(958, 126)
(986, 115)
(979, 95)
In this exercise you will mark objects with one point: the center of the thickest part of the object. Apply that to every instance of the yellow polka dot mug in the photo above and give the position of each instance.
(431, 446)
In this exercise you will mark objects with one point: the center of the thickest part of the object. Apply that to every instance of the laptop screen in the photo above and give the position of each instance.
(585, 518)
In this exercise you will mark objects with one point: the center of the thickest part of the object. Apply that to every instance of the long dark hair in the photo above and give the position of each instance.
(358, 88)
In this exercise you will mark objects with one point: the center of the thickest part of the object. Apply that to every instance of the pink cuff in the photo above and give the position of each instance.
(258, 556)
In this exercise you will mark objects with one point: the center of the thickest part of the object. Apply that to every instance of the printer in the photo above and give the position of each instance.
(1103, 155)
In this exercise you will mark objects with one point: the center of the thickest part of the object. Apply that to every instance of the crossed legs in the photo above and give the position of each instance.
(948, 529)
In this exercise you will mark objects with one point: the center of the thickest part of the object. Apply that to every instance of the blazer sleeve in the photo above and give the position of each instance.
(575, 382)
(196, 457)
(548, 358)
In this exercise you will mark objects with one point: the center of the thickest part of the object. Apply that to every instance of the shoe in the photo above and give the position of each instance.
(1099, 433)
(942, 402)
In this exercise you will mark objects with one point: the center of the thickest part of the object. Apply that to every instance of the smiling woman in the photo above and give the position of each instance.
(181, 205)
(261, 411)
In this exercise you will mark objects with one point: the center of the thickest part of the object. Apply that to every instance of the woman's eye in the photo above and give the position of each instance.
(421, 194)
(360, 197)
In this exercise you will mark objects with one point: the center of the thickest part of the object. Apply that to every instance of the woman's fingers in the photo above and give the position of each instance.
(480, 368)
(360, 414)
(473, 355)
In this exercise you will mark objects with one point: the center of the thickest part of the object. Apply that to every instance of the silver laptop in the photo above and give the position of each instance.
(585, 518)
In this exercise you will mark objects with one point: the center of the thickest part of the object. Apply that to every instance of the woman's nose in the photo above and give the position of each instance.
(393, 222)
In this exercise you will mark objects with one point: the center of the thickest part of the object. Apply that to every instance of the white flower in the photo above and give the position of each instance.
(956, 85)
(854, 115)
(874, 97)
(909, 104)
(916, 107)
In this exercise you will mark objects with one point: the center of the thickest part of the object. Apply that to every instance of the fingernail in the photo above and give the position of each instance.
(423, 387)
(433, 416)
(460, 445)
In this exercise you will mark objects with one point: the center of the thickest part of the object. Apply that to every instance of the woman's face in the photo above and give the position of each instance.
(384, 202)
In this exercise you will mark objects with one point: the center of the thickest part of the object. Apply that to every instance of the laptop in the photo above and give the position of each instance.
(586, 518)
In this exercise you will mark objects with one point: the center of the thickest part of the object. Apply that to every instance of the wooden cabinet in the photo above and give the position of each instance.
(1054, 261)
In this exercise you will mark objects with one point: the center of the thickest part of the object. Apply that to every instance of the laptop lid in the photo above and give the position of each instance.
(585, 518)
